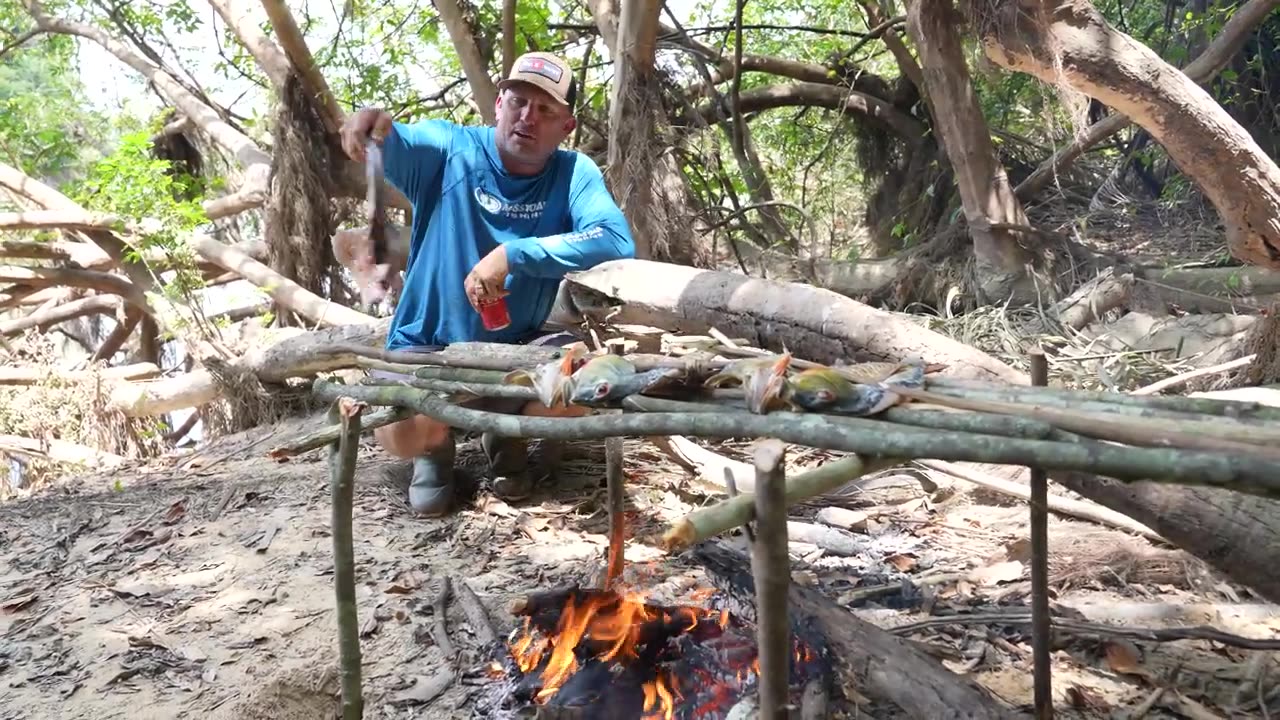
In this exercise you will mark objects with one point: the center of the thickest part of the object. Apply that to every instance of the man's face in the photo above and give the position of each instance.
(531, 124)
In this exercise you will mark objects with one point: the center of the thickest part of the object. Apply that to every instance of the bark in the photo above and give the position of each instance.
(1234, 35)
(59, 220)
(1092, 300)
(876, 111)
(483, 89)
(342, 479)
(253, 161)
(985, 193)
(642, 173)
(45, 318)
(1235, 533)
(816, 324)
(285, 353)
(509, 37)
(118, 337)
(1069, 42)
(771, 571)
(295, 48)
(236, 14)
(284, 291)
(889, 667)
(91, 279)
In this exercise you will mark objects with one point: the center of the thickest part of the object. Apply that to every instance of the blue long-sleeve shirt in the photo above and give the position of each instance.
(465, 204)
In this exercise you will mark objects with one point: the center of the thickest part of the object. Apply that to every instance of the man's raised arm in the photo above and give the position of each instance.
(600, 232)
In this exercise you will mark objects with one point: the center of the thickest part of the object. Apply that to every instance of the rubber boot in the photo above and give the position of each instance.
(509, 462)
(431, 490)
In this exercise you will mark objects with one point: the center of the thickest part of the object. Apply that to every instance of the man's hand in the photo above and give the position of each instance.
(487, 280)
(360, 126)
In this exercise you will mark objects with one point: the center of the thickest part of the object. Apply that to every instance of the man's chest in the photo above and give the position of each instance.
(504, 207)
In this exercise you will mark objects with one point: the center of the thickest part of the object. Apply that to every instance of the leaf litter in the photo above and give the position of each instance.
(212, 595)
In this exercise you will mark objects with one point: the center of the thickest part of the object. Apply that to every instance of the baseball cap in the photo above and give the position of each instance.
(546, 71)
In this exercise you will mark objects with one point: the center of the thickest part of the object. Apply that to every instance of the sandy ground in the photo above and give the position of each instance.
(201, 586)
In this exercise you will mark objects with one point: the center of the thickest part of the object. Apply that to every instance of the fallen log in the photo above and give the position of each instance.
(813, 323)
(869, 658)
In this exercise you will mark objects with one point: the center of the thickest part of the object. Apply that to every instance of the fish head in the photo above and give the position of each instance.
(815, 388)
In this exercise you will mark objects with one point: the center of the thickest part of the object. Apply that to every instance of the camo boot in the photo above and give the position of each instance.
(432, 487)
(509, 461)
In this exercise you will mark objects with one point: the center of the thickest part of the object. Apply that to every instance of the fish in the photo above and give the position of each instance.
(874, 372)
(552, 380)
(762, 379)
(605, 379)
(827, 389)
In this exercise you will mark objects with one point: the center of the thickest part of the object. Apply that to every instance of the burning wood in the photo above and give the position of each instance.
(610, 654)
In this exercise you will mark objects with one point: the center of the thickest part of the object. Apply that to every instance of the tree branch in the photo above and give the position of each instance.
(295, 47)
(871, 109)
(47, 317)
(483, 89)
(255, 163)
(272, 60)
(92, 279)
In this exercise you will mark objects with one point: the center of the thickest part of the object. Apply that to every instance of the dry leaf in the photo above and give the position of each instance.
(1124, 657)
(175, 512)
(996, 573)
(903, 563)
(1082, 698)
(367, 627)
(406, 582)
(1019, 550)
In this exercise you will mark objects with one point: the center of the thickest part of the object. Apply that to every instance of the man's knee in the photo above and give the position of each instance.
(412, 437)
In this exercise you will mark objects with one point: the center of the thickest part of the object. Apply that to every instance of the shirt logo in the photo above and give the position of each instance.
(487, 201)
(494, 205)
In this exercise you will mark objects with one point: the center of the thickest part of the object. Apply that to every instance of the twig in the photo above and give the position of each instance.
(1182, 378)
(342, 470)
(617, 497)
(770, 567)
(328, 434)
(1081, 627)
(1251, 475)
(1041, 669)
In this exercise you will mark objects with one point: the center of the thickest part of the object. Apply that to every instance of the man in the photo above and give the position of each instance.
(498, 212)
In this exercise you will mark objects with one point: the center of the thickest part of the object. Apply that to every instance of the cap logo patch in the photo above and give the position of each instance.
(538, 66)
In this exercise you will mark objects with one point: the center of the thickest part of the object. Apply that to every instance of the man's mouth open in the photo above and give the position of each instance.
(523, 135)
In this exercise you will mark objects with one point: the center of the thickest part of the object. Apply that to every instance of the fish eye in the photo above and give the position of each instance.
(602, 389)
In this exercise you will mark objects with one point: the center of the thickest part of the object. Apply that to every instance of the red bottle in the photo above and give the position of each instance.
(494, 314)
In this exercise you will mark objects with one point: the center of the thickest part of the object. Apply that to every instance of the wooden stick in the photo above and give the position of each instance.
(1104, 401)
(328, 434)
(712, 520)
(439, 620)
(1041, 670)
(1252, 475)
(617, 519)
(1151, 432)
(342, 470)
(1183, 378)
(771, 569)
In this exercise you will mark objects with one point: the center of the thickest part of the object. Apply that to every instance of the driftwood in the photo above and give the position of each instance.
(882, 664)
(327, 434)
(34, 375)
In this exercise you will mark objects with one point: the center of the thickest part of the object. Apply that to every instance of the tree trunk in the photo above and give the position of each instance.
(985, 192)
(641, 171)
(1235, 533)
(1069, 42)
(483, 89)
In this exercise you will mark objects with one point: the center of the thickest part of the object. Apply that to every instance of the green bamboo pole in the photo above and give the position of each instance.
(1246, 474)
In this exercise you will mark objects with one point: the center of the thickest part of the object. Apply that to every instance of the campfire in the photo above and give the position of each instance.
(613, 655)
